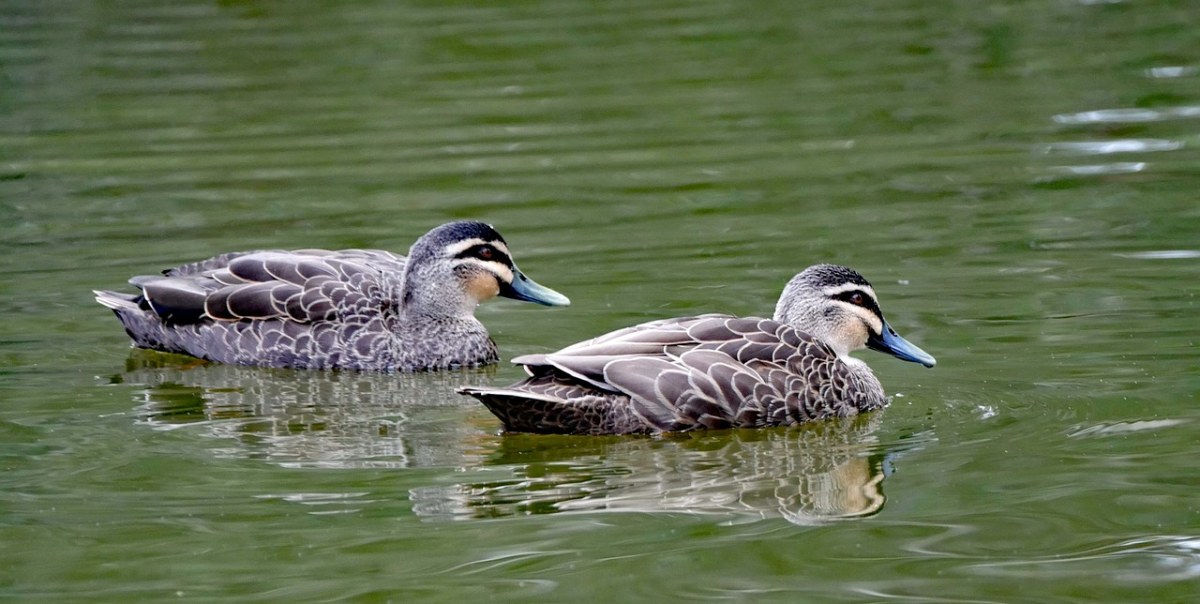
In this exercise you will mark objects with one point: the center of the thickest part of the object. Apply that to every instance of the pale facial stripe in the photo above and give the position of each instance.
(502, 272)
(871, 319)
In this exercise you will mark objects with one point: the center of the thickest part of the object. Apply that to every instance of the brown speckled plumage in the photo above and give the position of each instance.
(713, 371)
(319, 309)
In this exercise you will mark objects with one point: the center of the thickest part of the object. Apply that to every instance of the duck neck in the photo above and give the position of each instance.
(427, 342)
(806, 320)
(437, 331)
(864, 381)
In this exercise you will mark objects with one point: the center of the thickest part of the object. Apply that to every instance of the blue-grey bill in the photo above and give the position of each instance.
(528, 290)
(891, 343)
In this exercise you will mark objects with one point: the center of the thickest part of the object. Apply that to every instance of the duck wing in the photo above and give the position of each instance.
(304, 286)
(741, 338)
(713, 371)
(740, 373)
(711, 388)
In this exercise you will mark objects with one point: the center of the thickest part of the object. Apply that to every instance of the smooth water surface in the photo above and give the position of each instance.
(1018, 180)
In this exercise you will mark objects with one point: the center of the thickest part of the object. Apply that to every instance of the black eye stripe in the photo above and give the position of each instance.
(866, 302)
(848, 295)
(486, 252)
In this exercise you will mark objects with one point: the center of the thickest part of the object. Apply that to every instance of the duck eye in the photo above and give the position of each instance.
(485, 253)
(855, 298)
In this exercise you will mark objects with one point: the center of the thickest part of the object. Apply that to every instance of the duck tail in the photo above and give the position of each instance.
(519, 411)
(142, 326)
(522, 411)
(118, 301)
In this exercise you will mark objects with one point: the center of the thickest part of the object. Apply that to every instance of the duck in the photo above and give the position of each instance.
(355, 309)
(714, 371)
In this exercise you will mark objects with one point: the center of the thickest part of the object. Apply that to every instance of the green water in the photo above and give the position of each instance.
(1017, 179)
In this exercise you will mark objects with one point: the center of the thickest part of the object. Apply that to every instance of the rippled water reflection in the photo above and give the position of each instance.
(805, 475)
(309, 419)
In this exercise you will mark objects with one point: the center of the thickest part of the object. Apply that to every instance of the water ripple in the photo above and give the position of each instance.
(1128, 115)
(1170, 71)
(1131, 145)
(324, 503)
(1122, 428)
(1162, 255)
(1152, 558)
(1126, 167)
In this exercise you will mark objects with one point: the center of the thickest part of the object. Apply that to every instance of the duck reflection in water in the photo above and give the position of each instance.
(308, 419)
(805, 474)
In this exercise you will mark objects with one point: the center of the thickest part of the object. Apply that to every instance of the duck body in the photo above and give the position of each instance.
(320, 309)
(713, 371)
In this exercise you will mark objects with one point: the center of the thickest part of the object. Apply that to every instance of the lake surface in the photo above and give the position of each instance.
(1019, 181)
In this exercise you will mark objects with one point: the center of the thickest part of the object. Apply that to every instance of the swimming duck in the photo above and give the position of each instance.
(347, 309)
(714, 371)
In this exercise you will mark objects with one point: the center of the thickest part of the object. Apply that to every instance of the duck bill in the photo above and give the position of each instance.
(526, 289)
(891, 343)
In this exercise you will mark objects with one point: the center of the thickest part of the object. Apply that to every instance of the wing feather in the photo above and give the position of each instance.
(257, 300)
(306, 286)
(175, 301)
(638, 378)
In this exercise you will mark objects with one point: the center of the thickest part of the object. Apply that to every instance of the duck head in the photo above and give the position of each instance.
(837, 305)
(456, 266)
